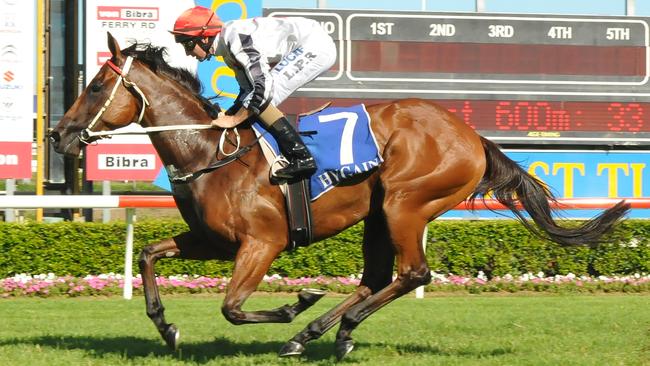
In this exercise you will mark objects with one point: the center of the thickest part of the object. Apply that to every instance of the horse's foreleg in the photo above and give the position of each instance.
(378, 258)
(182, 246)
(252, 262)
(155, 309)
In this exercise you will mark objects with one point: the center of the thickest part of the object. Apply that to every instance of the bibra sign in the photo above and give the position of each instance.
(110, 161)
(126, 13)
(126, 161)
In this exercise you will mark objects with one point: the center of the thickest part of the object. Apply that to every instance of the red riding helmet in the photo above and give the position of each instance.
(197, 22)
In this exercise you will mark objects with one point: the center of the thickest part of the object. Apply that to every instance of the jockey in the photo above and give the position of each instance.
(271, 58)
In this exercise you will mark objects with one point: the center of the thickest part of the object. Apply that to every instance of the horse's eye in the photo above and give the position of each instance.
(96, 87)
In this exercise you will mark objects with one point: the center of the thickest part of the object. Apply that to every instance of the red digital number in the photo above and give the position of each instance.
(531, 116)
(625, 117)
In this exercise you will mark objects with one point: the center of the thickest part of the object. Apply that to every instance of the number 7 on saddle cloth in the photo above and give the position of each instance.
(342, 142)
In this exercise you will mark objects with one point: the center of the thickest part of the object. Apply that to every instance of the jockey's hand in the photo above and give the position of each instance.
(225, 121)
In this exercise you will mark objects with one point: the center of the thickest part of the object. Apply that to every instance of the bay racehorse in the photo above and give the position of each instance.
(432, 162)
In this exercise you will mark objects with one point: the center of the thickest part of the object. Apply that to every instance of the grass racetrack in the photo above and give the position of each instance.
(609, 329)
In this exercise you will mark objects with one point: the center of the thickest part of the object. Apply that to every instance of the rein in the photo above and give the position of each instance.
(230, 157)
(148, 130)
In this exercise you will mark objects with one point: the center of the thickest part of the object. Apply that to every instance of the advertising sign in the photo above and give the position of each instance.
(17, 55)
(583, 174)
(589, 173)
(129, 21)
(142, 21)
(126, 159)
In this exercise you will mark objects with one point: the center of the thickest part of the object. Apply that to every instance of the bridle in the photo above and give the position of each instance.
(87, 135)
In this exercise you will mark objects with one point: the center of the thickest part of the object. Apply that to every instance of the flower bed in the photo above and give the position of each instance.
(25, 285)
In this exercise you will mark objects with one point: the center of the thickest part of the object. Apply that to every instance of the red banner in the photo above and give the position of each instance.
(15, 160)
(122, 162)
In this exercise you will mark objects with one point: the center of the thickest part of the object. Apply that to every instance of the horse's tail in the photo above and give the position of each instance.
(509, 184)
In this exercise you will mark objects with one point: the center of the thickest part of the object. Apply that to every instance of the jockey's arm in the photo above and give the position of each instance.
(251, 68)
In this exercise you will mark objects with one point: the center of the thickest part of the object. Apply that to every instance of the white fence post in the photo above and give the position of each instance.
(128, 256)
(106, 191)
(10, 185)
(419, 292)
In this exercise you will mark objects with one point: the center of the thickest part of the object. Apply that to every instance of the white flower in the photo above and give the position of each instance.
(22, 277)
(438, 276)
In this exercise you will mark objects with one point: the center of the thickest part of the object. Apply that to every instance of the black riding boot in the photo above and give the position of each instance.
(301, 163)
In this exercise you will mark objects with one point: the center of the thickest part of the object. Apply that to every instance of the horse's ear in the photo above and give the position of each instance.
(113, 46)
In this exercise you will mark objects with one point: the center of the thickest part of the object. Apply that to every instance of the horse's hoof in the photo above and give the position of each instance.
(343, 348)
(310, 295)
(172, 336)
(291, 348)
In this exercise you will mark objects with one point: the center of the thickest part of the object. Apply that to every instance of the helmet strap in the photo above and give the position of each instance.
(206, 47)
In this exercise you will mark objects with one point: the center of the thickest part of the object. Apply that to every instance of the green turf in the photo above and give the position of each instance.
(442, 330)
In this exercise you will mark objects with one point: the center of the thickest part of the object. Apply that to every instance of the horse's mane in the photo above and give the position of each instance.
(153, 57)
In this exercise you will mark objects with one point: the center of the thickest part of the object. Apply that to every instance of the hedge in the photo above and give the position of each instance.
(496, 248)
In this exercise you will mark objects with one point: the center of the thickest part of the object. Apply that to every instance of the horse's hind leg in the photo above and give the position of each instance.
(253, 260)
(406, 230)
(181, 246)
(378, 258)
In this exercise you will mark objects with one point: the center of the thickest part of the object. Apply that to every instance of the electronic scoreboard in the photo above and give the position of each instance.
(516, 79)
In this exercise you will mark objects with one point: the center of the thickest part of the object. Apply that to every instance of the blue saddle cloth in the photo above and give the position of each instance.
(341, 141)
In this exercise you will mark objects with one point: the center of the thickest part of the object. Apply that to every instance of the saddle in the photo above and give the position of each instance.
(343, 145)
